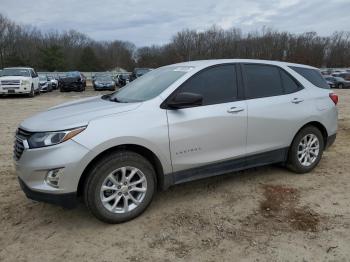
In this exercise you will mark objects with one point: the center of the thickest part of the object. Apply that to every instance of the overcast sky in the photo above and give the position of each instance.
(155, 21)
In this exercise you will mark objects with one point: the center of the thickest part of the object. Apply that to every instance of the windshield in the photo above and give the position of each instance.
(150, 85)
(123, 76)
(142, 71)
(72, 74)
(104, 78)
(42, 78)
(15, 72)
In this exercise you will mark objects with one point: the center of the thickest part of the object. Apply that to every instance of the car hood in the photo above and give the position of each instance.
(69, 79)
(14, 77)
(74, 114)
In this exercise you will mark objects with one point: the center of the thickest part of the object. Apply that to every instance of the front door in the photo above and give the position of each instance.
(214, 132)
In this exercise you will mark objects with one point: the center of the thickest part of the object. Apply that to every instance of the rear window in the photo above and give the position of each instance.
(262, 81)
(312, 75)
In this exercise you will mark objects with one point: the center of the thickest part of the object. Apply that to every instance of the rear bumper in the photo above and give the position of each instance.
(67, 200)
(330, 140)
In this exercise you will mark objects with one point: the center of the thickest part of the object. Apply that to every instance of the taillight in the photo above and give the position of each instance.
(334, 98)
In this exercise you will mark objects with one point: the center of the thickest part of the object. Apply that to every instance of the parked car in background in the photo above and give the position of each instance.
(330, 83)
(97, 74)
(344, 75)
(54, 81)
(72, 81)
(123, 79)
(176, 124)
(83, 79)
(45, 84)
(104, 83)
(139, 72)
(337, 82)
(19, 80)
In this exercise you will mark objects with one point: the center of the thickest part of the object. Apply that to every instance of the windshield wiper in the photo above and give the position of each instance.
(115, 99)
(105, 97)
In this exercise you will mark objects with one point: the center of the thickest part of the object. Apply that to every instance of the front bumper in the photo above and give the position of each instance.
(14, 90)
(68, 200)
(34, 165)
(44, 88)
(104, 87)
(71, 86)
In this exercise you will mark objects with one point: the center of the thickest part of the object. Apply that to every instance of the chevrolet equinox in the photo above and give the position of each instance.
(175, 124)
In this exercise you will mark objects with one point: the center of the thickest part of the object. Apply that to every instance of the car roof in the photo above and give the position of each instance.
(204, 63)
(28, 68)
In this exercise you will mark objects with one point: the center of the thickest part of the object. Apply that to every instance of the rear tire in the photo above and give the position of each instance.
(306, 150)
(120, 172)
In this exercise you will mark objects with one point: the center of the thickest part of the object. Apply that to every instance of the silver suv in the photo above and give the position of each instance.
(175, 124)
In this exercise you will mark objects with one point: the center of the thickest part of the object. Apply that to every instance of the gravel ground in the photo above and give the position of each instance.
(262, 214)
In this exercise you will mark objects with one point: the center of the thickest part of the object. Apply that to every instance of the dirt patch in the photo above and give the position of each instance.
(281, 206)
(278, 199)
(304, 219)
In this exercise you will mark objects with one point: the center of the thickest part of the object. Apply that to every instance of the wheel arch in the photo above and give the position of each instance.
(143, 151)
(319, 126)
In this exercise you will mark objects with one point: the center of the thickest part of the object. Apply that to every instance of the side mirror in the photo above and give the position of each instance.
(185, 99)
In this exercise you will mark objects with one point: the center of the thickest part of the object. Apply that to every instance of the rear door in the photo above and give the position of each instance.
(277, 106)
(215, 131)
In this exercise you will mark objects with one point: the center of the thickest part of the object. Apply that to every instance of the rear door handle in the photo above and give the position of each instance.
(297, 100)
(234, 109)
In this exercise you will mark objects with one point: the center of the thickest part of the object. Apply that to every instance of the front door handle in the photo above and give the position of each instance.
(234, 109)
(297, 100)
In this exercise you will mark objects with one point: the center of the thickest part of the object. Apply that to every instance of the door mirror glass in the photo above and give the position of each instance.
(185, 99)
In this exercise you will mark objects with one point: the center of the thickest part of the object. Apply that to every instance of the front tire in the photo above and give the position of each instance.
(119, 187)
(306, 150)
(32, 92)
(340, 86)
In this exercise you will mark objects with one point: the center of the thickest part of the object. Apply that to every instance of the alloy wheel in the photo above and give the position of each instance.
(308, 150)
(123, 189)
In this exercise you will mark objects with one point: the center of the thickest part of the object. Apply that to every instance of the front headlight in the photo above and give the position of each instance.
(43, 139)
(25, 82)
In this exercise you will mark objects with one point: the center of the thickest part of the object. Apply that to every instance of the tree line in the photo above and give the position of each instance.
(71, 50)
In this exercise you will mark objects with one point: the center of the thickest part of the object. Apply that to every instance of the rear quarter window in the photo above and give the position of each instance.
(312, 75)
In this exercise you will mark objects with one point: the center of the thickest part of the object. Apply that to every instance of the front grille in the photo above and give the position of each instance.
(21, 135)
(10, 82)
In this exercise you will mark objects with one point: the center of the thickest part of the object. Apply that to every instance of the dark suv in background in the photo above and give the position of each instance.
(72, 81)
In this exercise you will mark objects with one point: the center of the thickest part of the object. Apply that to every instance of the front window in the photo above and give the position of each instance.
(216, 85)
(150, 85)
(15, 72)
